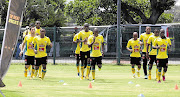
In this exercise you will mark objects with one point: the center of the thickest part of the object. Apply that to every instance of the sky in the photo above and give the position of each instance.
(177, 3)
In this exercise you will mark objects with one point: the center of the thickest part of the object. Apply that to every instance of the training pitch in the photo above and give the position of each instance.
(112, 81)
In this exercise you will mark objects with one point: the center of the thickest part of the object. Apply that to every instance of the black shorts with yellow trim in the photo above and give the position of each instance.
(96, 60)
(84, 55)
(40, 61)
(29, 60)
(135, 60)
(162, 63)
(152, 59)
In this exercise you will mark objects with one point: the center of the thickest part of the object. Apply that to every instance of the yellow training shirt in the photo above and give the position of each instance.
(28, 33)
(163, 44)
(29, 48)
(78, 44)
(135, 45)
(40, 45)
(144, 37)
(150, 41)
(84, 35)
(96, 47)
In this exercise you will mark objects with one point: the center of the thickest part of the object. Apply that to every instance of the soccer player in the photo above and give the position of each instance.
(27, 31)
(143, 38)
(77, 52)
(37, 31)
(162, 45)
(29, 58)
(96, 42)
(85, 50)
(40, 44)
(135, 56)
(153, 52)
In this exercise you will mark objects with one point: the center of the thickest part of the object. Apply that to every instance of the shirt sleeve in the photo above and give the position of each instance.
(48, 41)
(128, 44)
(89, 40)
(25, 39)
(155, 42)
(141, 37)
(79, 35)
(75, 38)
(169, 41)
(149, 40)
(102, 39)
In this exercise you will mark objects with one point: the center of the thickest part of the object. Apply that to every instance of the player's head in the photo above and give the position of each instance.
(32, 29)
(148, 30)
(38, 24)
(31, 25)
(156, 32)
(135, 35)
(96, 31)
(42, 32)
(75, 29)
(162, 32)
(86, 27)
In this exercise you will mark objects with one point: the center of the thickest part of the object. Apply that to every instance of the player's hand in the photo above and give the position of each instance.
(94, 38)
(85, 40)
(102, 53)
(169, 50)
(141, 43)
(158, 47)
(147, 55)
(130, 50)
(35, 51)
(20, 54)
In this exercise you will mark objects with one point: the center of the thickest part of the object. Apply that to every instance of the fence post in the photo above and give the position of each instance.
(54, 46)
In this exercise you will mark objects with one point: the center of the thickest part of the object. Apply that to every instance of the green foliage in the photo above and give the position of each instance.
(166, 18)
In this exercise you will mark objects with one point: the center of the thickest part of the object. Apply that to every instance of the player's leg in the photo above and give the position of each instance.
(152, 59)
(132, 61)
(144, 64)
(32, 63)
(88, 65)
(138, 63)
(159, 62)
(27, 64)
(93, 63)
(38, 63)
(40, 71)
(44, 63)
(165, 69)
(99, 62)
(82, 64)
(85, 62)
(156, 69)
(77, 63)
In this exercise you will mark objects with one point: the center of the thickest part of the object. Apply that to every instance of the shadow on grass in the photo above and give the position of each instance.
(103, 81)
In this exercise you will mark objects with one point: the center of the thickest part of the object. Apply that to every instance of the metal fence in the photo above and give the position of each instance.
(65, 48)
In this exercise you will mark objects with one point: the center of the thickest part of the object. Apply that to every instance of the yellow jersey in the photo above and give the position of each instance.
(84, 35)
(28, 33)
(96, 47)
(135, 45)
(150, 42)
(77, 51)
(37, 31)
(40, 45)
(29, 48)
(162, 53)
(169, 41)
(144, 37)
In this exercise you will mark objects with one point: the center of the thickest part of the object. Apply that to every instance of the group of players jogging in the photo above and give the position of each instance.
(155, 49)
(34, 44)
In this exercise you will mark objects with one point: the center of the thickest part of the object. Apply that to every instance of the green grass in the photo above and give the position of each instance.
(111, 81)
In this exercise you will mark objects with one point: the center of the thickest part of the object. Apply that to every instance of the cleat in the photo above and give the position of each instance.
(159, 81)
(87, 77)
(145, 77)
(99, 69)
(93, 80)
(163, 78)
(138, 74)
(149, 77)
(81, 78)
(134, 76)
(25, 73)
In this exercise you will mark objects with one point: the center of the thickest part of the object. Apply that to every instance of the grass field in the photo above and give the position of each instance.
(111, 81)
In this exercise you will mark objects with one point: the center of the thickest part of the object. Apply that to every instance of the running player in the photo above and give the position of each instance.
(153, 52)
(85, 50)
(143, 38)
(29, 54)
(96, 42)
(135, 56)
(77, 52)
(162, 44)
(40, 44)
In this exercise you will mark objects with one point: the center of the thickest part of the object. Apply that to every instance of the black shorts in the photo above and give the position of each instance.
(96, 60)
(29, 60)
(40, 61)
(162, 62)
(152, 59)
(136, 60)
(84, 55)
(77, 56)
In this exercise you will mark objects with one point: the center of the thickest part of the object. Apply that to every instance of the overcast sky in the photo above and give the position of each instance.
(177, 3)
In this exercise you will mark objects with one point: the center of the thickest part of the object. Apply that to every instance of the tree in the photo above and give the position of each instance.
(3, 11)
(133, 11)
